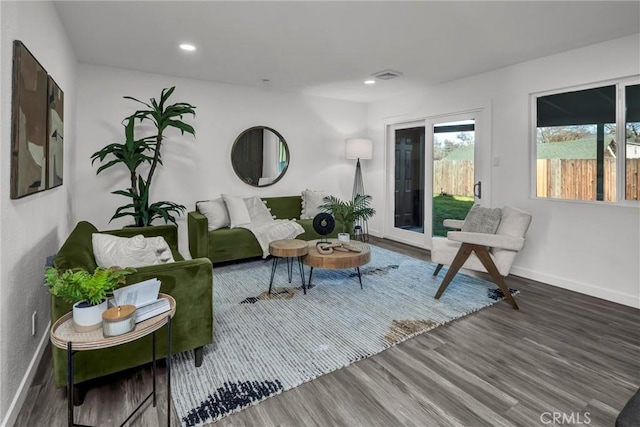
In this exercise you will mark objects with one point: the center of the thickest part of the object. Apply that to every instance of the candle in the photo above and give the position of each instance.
(118, 320)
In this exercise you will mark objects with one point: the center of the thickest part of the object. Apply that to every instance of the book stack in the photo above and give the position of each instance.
(151, 309)
(144, 296)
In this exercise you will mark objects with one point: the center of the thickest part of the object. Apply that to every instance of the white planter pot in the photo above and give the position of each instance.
(88, 318)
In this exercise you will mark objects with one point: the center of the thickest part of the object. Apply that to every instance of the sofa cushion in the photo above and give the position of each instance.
(311, 202)
(287, 207)
(136, 251)
(238, 212)
(216, 213)
(77, 250)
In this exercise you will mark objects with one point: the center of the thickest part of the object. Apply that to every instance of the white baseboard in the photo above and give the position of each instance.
(23, 389)
(594, 291)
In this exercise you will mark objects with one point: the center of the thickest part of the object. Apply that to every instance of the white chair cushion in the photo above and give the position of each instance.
(216, 213)
(514, 222)
(443, 251)
(136, 251)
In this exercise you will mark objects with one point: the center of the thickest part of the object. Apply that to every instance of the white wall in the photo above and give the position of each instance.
(589, 248)
(33, 227)
(314, 128)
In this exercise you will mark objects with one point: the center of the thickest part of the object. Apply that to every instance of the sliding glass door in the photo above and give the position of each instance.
(454, 180)
(409, 179)
(436, 169)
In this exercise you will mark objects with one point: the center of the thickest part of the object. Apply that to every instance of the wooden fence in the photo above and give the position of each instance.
(454, 177)
(556, 178)
(576, 179)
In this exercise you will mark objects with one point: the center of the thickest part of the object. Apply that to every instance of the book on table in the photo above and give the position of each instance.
(144, 296)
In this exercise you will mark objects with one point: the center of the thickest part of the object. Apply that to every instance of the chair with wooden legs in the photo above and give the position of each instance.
(489, 253)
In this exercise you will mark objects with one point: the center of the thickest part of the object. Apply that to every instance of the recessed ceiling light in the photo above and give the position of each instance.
(369, 82)
(188, 47)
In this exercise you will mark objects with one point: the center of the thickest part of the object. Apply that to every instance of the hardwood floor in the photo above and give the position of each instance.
(562, 352)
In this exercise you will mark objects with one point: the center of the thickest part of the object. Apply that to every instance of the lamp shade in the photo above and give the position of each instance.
(358, 148)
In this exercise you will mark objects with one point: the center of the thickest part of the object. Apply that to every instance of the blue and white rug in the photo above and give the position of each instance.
(265, 345)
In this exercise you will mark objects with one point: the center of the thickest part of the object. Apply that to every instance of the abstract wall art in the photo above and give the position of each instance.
(36, 126)
(55, 138)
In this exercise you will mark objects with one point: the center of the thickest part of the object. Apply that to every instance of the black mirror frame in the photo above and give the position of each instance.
(286, 148)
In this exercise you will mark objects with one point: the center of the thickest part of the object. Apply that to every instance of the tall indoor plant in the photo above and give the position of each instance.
(350, 212)
(134, 153)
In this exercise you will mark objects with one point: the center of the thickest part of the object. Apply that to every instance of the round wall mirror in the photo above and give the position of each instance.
(260, 156)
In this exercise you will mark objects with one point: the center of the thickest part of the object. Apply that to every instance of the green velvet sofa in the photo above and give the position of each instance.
(227, 244)
(190, 283)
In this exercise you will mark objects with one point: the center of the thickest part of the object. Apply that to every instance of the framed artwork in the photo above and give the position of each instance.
(55, 140)
(28, 124)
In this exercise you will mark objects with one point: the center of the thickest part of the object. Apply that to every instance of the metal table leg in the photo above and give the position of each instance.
(273, 272)
(290, 267)
(309, 282)
(169, 371)
(70, 383)
(301, 267)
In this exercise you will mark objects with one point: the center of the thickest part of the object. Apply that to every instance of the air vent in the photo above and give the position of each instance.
(387, 74)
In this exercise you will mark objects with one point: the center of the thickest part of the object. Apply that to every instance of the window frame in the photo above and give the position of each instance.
(621, 84)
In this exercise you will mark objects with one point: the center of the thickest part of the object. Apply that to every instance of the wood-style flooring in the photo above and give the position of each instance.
(562, 352)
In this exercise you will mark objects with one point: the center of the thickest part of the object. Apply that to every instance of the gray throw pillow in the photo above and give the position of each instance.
(482, 220)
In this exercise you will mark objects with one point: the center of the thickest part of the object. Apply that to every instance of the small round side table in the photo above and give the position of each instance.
(289, 249)
(65, 337)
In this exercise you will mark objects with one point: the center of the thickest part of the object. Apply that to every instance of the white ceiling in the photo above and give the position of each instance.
(329, 48)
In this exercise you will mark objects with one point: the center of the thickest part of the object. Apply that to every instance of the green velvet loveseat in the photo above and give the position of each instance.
(227, 244)
(190, 283)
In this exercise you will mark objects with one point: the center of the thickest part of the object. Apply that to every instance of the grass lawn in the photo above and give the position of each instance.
(449, 207)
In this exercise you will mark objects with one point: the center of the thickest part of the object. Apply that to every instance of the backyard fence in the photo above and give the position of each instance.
(454, 177)
(576, 179)
(556, 178)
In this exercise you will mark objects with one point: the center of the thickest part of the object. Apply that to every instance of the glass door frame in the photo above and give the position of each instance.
(483, 164)
(390, 230)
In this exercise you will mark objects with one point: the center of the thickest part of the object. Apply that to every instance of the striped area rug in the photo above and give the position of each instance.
(266, 344)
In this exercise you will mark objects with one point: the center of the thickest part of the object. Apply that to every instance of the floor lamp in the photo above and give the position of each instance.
(359, 148)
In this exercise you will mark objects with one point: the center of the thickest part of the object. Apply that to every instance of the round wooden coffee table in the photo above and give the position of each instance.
(338, 260)
(289, 249)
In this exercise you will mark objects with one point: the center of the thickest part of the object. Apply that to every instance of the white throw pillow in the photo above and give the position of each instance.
(238, 212)
(311, 201)
(482, 220)
(258, 211)
(216, 213)
(162, 249)
(137, 251)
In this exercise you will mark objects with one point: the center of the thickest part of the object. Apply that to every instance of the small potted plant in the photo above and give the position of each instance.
(87, 292)
(348, 213)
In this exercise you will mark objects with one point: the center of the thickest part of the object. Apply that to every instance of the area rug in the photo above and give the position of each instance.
(266, 344)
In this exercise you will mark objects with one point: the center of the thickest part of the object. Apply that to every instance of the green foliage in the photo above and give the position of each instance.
(134, 153)
(348, 213)
(78, 284)
(449, 207)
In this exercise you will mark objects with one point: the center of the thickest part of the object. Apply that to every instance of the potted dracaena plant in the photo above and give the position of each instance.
(86, 291)
(350, 212)
(136, 153)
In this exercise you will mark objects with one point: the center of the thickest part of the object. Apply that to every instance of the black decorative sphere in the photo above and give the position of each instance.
(323, 224)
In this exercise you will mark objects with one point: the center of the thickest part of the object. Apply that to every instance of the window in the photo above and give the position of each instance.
(577, 135)
(632, 142)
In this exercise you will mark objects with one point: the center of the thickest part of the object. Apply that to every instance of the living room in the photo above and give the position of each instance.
(590, 248)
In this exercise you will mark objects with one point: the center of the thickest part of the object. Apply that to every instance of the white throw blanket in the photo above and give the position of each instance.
(268, 231)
